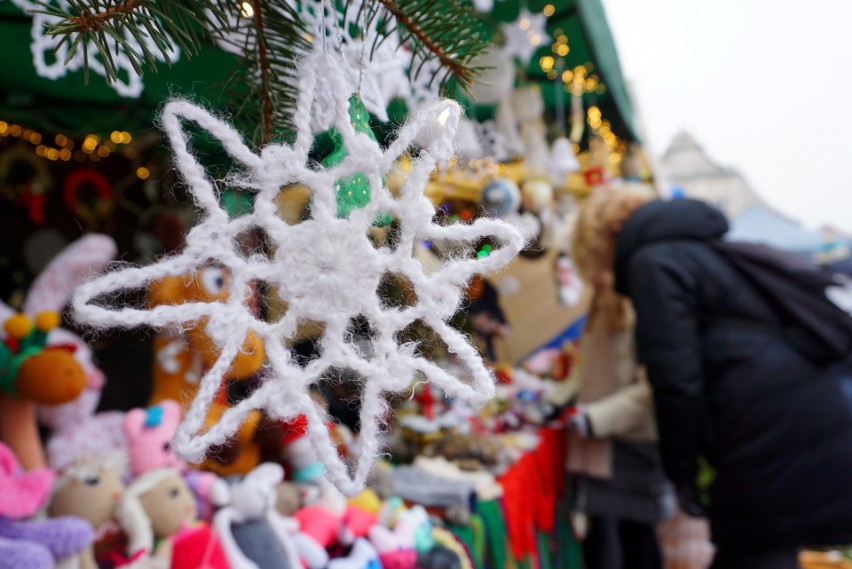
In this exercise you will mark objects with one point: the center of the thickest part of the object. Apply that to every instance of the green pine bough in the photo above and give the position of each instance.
(270, 34)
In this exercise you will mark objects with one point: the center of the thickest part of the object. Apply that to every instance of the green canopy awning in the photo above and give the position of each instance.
(67, 105)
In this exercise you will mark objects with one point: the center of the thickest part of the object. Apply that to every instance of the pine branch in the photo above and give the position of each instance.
(442, 29)
(271, 40)
(130, 27)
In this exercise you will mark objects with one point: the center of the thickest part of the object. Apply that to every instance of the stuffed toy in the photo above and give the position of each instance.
(91, 490)
(396, 548)
(149, 434)
(34, 544)
(288, 498)
(158, 513)
(320, 523)
(76, 431)
(363, 555)
(242, 451)
(444, 539)
(252, 532)
(33, 343)
(182, 357)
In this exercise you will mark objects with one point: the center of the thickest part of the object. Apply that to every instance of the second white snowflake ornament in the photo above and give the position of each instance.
(325, 269)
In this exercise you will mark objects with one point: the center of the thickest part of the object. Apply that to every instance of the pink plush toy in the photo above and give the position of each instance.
(396, 548)
(356, 523)
(149, 435)
(30, 543)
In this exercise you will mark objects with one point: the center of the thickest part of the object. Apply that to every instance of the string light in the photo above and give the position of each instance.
(247, 9)
(90, 149)
(142, 173)
(549, 10)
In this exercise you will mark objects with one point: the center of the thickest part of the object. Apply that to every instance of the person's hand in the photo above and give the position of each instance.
(687, 498)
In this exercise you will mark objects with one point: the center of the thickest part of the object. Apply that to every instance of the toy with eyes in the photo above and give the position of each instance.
(158, 514)
(149, 435)
(91, 490)
(182, 356)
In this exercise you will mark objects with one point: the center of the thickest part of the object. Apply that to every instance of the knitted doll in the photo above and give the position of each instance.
(158, 514)
(91, 490)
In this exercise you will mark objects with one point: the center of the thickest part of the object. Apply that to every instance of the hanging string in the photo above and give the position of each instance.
(363, 62)
(322, 25)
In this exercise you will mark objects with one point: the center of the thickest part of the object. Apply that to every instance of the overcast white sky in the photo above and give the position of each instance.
(764, 86)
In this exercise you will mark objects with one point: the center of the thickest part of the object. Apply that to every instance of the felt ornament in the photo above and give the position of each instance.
(253, 534)
(326, 269)
(45, 299)
(352, 192)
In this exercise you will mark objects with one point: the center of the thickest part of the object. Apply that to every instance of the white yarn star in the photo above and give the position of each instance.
(525, 35)
(325, 268)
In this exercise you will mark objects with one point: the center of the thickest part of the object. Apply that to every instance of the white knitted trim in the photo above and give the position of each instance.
(324, 268)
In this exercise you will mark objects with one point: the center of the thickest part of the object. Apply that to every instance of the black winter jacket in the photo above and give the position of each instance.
(777, 429)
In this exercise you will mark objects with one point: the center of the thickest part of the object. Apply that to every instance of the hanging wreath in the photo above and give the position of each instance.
(90, 211)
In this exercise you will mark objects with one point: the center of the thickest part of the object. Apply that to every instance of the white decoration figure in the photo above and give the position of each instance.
(495, 87)
(326, 269)
(49, 57)
(528, 106)
(563, 161)
(525, 35)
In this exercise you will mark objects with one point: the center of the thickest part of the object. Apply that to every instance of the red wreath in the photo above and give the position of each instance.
(76, 179)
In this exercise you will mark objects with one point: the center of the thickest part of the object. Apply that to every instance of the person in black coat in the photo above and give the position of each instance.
(776, 427)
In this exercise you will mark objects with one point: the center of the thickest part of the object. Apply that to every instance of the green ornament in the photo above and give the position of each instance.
(237, 203)
(352, 192)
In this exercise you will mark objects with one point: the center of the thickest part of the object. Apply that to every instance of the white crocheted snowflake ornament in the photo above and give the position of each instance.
(524, 36)
(326, 269)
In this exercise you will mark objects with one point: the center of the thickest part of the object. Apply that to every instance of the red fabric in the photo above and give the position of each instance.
(198, 548)
(293, 429)
(530, 491)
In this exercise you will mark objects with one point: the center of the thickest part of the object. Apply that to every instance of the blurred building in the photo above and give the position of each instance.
(689, 171)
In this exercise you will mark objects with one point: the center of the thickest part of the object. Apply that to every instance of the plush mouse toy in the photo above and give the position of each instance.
(253, 533)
